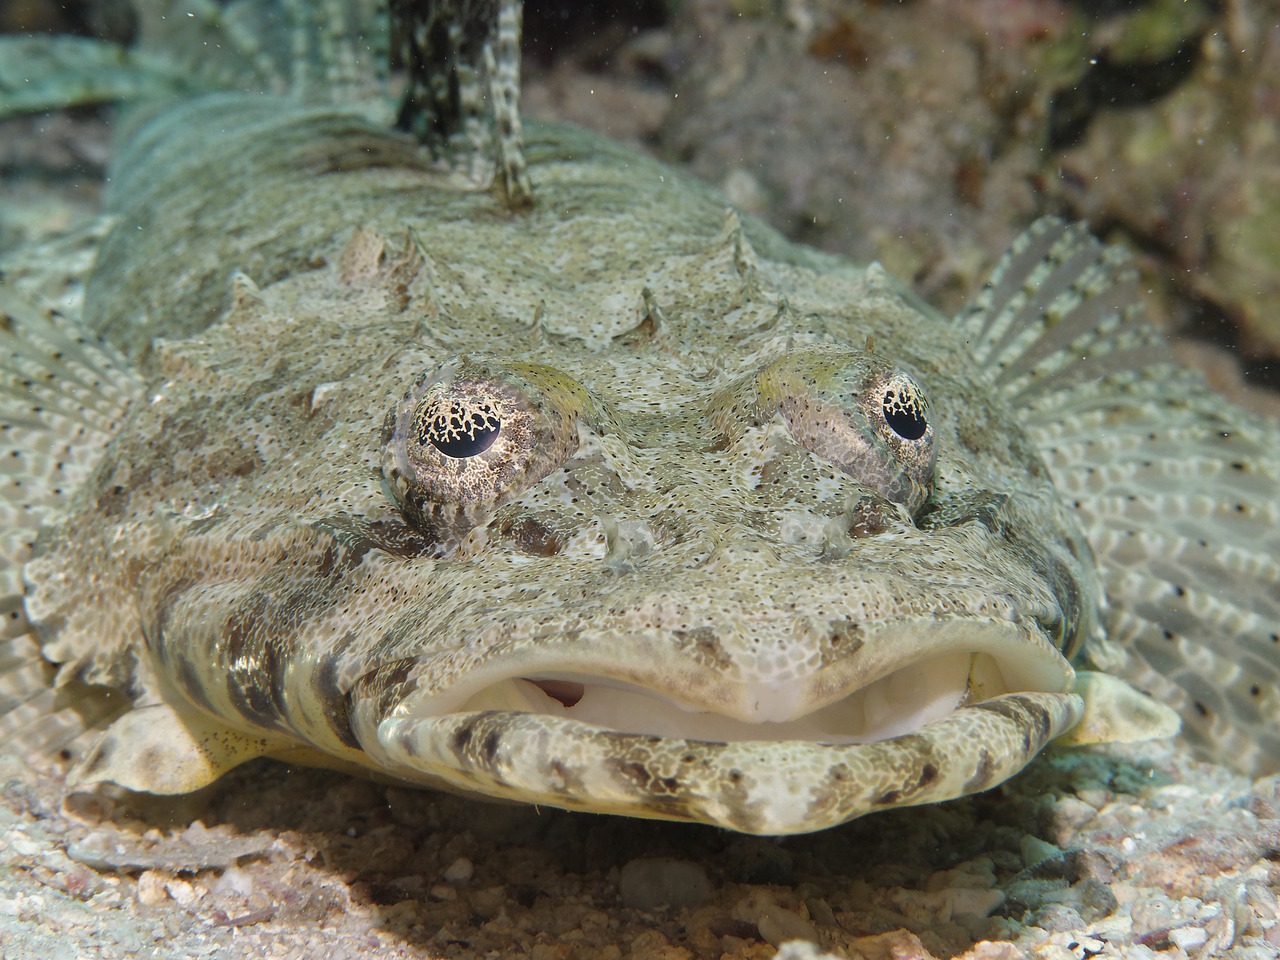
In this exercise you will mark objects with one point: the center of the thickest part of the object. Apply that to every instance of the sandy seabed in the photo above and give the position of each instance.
(1114, 852)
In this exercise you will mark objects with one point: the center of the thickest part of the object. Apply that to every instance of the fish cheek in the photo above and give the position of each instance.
(1056, 551)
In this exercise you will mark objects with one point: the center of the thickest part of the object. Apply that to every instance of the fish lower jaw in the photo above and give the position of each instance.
(751, 786)
(754, 711)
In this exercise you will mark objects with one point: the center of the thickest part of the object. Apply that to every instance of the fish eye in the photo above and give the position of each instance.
(459, 427)
(473, 435)
(860, 412)
(904, 408)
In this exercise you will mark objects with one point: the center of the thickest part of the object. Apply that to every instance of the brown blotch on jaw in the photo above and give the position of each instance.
(1032, 736)
(336, 705)
(387, 685)
(845, 636)
(644, 778)
(192, 685)
(982, 776)
(158, 635)
(928, 773)
(489, 747)
(704, 644)
(461, 740)
(258, 694)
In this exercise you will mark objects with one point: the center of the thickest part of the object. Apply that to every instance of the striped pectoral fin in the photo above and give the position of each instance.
(62, 397)
(168, 750)
(1178, 490)
(1179, 493)
(1115, 712)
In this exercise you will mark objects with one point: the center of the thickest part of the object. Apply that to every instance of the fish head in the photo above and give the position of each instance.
(826, 581)
(753, 564)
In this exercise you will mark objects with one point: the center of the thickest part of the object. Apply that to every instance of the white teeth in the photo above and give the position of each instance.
(892, 706)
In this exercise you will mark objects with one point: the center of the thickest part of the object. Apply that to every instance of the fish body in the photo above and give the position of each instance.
(615, 501)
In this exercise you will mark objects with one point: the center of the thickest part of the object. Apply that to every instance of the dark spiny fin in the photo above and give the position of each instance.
(317, 50)
(61, 399)
(1178, 490)
(462, 92)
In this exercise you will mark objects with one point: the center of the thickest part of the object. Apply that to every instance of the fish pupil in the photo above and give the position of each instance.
(903, 413)
(461, 427)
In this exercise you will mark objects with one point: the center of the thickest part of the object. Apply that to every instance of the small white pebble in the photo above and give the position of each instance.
(181, 892)
(778, 925)
(151, 888)
(1035, 850)
(234, 882)
(1188, 938)
(25, 847)
(442, 893)
(460, 871)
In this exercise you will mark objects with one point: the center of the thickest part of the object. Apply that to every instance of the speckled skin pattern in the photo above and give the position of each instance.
(608, 499)
(239, 558)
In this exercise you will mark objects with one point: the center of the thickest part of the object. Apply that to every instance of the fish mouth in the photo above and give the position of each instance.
(762, 711)
(764, 757)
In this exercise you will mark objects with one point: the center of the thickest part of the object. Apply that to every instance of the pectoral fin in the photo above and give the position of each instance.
(160, 749)
(1115, 712)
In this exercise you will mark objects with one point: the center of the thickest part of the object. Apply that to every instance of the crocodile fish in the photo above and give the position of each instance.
(495, 457)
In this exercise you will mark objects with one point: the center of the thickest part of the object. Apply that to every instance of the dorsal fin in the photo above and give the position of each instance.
(1178, 489)
(462, 91)
(1059, 309)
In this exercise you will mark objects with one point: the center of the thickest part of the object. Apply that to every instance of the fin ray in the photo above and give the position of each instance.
(331, 52)
(61, 399)
(51, 73)
(1178, 490)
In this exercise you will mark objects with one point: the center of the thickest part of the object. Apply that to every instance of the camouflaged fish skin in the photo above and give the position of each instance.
(620, 501)
(247, 559)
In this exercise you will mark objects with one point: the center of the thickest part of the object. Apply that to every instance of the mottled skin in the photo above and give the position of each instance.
(698, 565)
(247, 560)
